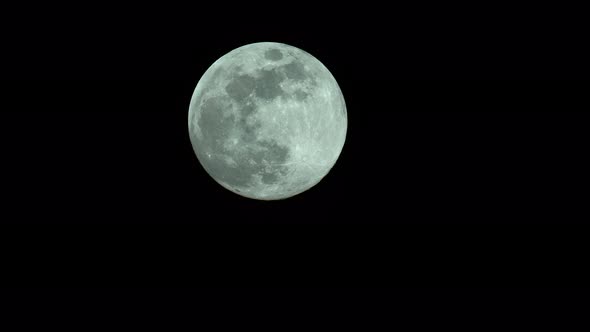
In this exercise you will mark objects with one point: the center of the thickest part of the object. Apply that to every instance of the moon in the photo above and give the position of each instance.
(267, 121)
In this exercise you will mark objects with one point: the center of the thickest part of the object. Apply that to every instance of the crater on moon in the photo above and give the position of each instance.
(267, 121)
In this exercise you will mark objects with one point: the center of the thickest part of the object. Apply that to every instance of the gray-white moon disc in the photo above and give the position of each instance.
(267, 121)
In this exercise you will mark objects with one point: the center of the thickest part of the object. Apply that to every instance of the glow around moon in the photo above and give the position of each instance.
(267, 121)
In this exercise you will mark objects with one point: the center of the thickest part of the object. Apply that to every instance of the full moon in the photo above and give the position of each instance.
(267, 121)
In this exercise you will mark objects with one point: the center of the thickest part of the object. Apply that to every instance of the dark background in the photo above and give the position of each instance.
(464, 164)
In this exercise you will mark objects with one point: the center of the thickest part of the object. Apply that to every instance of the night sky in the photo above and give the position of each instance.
(464, 163)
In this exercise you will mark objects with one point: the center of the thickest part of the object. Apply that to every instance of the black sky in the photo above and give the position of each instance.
(464, 162)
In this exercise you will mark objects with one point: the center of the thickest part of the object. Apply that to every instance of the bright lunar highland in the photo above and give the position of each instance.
(267, 121)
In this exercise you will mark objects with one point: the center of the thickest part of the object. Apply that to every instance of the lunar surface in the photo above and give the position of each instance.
(267, 121)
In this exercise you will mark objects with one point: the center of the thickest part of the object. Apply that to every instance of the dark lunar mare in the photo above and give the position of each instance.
(277, 155)
(240, 87)
(273, 54)
(267, 85)
(248, 129)
(216, 129)
(295, 71)
(301, 95)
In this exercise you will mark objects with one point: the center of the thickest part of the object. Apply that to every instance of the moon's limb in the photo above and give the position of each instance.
(267, 121)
